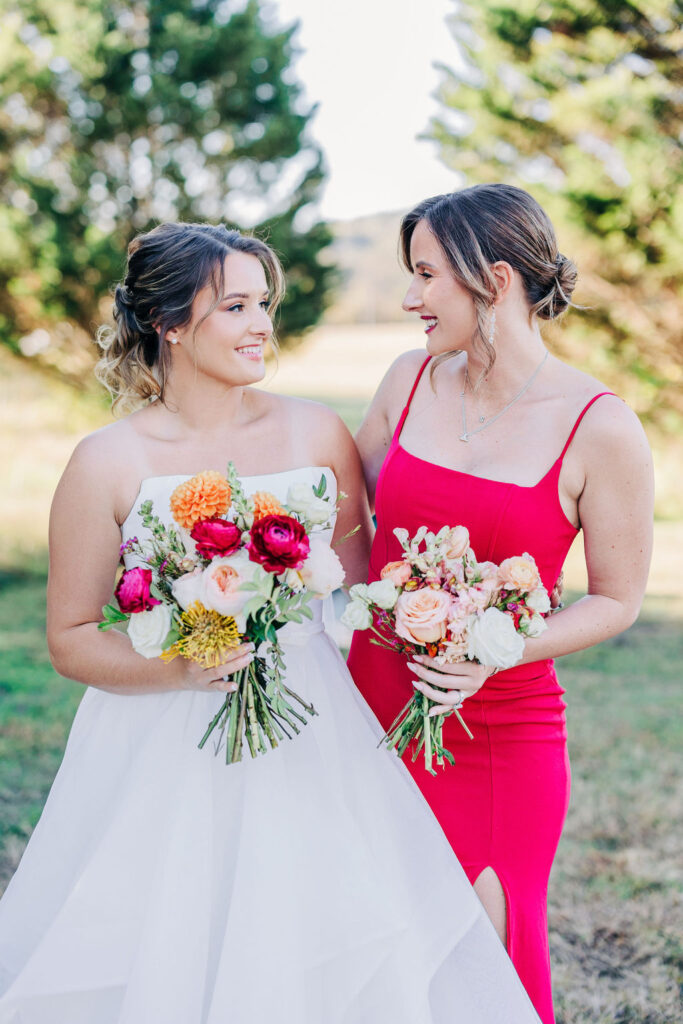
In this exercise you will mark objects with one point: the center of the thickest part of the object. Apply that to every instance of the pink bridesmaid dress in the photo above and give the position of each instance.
(503, 804)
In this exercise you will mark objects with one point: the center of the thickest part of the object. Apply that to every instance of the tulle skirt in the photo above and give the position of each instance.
(309, 886)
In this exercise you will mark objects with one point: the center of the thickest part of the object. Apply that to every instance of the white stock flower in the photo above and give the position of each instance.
(383, 593)
(493, 639)
(302, 500)
(322, 571)
(538, 600)
(148, 630)
(356, 615)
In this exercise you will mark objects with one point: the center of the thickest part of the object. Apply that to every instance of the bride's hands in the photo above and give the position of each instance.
(459, 681)
(191, 675)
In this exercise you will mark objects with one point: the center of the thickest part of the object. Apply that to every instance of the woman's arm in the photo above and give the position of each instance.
(377, 429)
(616, 512)
(84, 554)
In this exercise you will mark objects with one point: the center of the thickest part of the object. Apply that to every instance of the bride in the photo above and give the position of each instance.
(310, 886)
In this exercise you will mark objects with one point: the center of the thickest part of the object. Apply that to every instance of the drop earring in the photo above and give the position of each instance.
(492, 327)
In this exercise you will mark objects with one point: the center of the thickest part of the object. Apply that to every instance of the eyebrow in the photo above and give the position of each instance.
(423, 263)
(240, 295)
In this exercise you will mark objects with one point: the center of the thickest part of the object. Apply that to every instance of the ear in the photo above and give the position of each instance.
(503, 275)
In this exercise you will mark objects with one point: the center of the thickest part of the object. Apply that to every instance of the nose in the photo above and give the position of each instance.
(413, 298)
(262, 325)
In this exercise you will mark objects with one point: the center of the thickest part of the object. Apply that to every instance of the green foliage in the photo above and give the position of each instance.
(114, 117)
(580, 102)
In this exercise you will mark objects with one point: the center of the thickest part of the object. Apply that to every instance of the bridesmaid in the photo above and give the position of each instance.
(491, 431)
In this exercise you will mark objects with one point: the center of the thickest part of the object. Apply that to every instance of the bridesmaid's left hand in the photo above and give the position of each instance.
(460, 681)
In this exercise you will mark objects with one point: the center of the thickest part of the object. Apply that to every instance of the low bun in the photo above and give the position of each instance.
(560, 288)
(167, 267)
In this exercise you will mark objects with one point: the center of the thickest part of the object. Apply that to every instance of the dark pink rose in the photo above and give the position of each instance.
(216, 536)
(132, 591)
(278, 543)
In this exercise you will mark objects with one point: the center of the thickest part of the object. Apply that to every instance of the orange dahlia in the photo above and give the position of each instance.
(207, 494)
(266, 504)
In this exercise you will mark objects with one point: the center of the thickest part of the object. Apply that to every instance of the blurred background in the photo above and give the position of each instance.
(317, 126)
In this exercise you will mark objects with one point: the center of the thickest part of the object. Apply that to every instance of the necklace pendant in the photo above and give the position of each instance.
(481, 419)
(465, 436)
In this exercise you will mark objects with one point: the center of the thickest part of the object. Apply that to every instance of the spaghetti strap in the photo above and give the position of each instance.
(580, 417)
(399, 425)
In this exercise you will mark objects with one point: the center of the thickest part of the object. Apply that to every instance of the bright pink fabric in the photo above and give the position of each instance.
(504, 803)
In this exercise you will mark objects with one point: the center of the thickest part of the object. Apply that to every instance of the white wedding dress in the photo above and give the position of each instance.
(309, 886)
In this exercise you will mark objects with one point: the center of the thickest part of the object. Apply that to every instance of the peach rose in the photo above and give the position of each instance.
(456, 543)
(519, 573)
(421, 615)
(398, 572)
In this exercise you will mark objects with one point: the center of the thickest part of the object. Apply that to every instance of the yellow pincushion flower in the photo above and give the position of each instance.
(207, 636)
(205, 495)
(266, 504)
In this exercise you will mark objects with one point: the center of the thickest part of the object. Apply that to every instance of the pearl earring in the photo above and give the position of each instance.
(492, 327)
(173, 341)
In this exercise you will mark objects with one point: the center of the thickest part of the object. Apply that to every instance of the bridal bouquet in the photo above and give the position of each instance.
(440, 601)
(232, 569)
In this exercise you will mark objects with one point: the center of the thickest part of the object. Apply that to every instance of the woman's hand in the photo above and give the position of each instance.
(459, 681)
(191, 675)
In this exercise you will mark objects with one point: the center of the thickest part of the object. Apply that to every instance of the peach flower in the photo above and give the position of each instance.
(519, 573)
(266, 504)
(456, 543)
(421, 615)
(203, 496)
(398, 572)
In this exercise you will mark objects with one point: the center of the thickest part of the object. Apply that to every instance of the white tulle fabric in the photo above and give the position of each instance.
(311, 886)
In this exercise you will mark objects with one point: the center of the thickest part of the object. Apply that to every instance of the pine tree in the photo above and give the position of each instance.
(114, 117)
(579, 101)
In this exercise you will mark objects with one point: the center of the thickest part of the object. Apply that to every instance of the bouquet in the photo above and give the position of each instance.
(440, 601)
(231, 569)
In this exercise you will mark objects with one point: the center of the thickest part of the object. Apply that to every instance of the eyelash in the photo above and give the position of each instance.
(423, 273)
(240, 305)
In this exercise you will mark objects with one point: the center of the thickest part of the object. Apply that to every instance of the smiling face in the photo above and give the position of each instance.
(442, 303)
(228, 344)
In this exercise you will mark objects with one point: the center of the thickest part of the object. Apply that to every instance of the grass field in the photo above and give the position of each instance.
(616, 897)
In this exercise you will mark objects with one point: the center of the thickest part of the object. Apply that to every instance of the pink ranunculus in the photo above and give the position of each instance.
(421, 615)
(216, 536)
(132, 591)
(398, 572)
(278, 543)
(471, 600)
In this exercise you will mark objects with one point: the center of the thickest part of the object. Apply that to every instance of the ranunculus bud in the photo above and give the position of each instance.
(216, 537)
(132, 591)
(278, 543)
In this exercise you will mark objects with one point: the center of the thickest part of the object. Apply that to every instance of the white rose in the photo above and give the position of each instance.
(322, 571)
(493, 639)
(148, 630)
(383, 593)
(534, 625)
(538, 600)
(358, 591)
(187, 589)
(302, 500)
(356, 615)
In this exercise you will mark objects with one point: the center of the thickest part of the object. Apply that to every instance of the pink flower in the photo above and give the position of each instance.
(519, 573)
(216, 536)
(398, 572)
(456, 543)
(132, 591)
(278, 543)
(421, 615)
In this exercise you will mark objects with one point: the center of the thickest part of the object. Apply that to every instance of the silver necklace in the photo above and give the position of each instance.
(467, 434)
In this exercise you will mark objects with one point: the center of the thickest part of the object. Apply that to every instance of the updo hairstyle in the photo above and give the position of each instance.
(166, 269)
(481, 225)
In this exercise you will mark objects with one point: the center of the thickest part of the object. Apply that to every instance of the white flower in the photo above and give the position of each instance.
(188, 588)
(322, 571)
(359, 591)
(534, 625)
(302, 500)
(292, 579)
(357, 615)
(538, 600)
(148, 630)
(493, 639)
(383, 593)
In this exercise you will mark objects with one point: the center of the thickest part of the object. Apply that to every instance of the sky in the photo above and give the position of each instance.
(369, 66)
